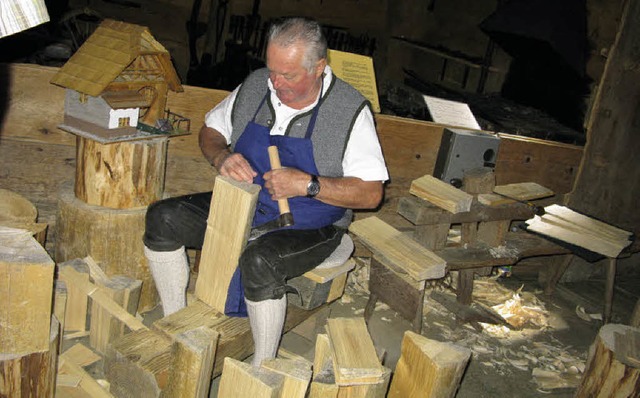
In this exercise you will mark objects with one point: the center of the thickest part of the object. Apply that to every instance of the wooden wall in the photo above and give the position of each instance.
(37, 159)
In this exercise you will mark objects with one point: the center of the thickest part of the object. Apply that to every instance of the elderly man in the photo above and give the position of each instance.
(332, 163)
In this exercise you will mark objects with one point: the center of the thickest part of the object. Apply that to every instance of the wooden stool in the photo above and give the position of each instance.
(326, 282)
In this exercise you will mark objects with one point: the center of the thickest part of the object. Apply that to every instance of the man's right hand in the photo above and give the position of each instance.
(234, 165)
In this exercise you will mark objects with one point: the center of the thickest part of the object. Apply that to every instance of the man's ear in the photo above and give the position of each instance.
(320, 67)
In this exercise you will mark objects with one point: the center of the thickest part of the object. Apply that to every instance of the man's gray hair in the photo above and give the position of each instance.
(289, 31)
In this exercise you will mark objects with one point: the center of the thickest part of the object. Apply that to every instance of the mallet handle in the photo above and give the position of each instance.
(274, 159)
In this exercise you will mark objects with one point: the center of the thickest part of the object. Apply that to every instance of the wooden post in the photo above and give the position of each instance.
(606, 373)
(192, 364)
(241, 379)
(428, 368)
(121, 175)
(111, 237)
(26, 293)
(31, 373)
(105, 328)
(232, 207)
(479, 180)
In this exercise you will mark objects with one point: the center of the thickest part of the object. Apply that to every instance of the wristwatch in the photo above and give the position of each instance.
(313, 187)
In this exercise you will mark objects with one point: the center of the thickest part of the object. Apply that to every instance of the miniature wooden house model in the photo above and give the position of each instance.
(117, 83)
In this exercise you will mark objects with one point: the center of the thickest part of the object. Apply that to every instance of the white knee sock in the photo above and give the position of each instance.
(267, 320)
(170, 271)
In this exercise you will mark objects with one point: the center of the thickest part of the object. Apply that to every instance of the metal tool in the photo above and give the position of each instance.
(285, 219)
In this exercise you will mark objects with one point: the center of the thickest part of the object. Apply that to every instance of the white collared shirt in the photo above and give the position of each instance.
(363, 155)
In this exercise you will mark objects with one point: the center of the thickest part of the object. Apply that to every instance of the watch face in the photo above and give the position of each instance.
(313, 188)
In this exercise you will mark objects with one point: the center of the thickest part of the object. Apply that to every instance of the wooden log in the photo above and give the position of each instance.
(192, 364)
(401, 251)
(105, 328)
(428, 368)
(87, 230)
(441, 194)
(26, 293)
(123, 175)
(77, 300)
(138, 364)
(31, 374)
(232, 207)
(479, 180)
(604, 375)
(297, 375)
(241, 379)
(354, 356)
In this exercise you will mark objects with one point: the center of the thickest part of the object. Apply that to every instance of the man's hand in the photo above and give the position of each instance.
(286, 183)
(234, 165)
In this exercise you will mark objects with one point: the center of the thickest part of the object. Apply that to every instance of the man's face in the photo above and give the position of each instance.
(295, 86)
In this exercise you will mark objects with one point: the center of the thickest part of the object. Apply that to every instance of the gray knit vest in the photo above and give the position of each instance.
(339, 108)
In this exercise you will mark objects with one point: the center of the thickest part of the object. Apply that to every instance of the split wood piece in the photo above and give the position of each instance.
(401, 251)
(354, 355)
(396, 289)
(241, 379)
(81, 355)
(26, 292)
(419, 212)
(235, 340)
(122, 175)
(480, 180)
(428, 368)
(31, 373)
(564, 224)
(441, 194)
(192, 365)
(320, 285)
(232, 206)
(493, 199)
(377, 390)
(89, 386)
(96, 273)
(77, 300)
(85, 230)
(138, 364)
(101, 298)
(37, 230)
(297, 375)
(105, 328)
(60, 306)
(323, 356)
(523, 191)
(605, 375)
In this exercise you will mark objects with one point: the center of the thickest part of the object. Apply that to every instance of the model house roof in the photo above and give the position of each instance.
(117, 52)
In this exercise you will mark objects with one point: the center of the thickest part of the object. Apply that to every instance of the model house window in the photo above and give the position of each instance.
(123, 122)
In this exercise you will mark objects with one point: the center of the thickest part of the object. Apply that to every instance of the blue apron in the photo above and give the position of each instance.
(307, 213)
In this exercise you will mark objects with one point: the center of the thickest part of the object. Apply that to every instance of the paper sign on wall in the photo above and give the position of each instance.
(451, 113)
(356, 70)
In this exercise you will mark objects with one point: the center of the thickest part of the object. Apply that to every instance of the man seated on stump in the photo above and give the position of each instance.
(331, 163)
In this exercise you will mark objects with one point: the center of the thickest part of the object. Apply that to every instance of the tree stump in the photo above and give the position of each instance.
(608, 373)
(112, 237)
(122, 175)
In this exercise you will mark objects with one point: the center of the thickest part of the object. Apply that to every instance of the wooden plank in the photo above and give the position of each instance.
(77, 300)
(240, 379)
(87, 383)
(192, 366)
(400, 250)
(569, 226)
(26, 292)
(441, 194)
(81, 355)
(551, 164)
(297, 375)
(322, 275)
(428, 368)
(232, 207)
(523, 191)
(354, 357)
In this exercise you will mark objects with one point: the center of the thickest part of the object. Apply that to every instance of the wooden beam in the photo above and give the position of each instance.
(232, 207)
(398, 249)
(26, 293)
(428, 368)
(441, 194)
(192, 364)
